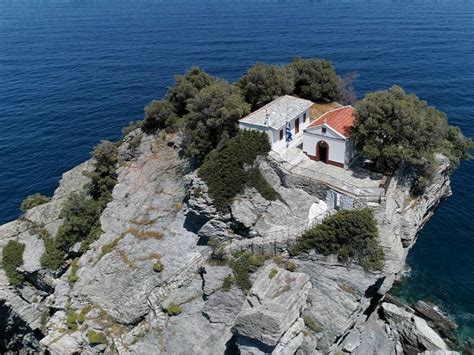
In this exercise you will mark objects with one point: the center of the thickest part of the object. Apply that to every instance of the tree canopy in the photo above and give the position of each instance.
(213, 115)
(186, 87)
(263, 83)
(393, 127)
(315, 80)
(159, 114)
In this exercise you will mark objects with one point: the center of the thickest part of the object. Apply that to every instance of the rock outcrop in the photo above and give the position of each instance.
(273, 305)
(161, 213)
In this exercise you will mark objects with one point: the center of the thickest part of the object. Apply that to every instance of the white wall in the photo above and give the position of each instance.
(337, 146)
(267, 130)
(274, 134)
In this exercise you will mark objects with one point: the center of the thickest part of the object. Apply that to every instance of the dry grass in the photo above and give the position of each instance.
(317, 110)
(152, 256)
(126, 259)
(346, 288)
(142, 235)
(144, 221)
(107, 248)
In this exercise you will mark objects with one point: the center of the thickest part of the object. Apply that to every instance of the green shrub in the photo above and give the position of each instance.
(33, 201)
(71, 320)
(81, 317)
(397, 129)
(291, 266)
(131, 127)
(135, 141)
(81, 212)
(96, 338)
(351, 234)
(312, 324)
(12, 258)
(224, 171)
(173, 309)
(229, 280)
(53, 257)
(104, 176)
(255, 179)
(158, 267)
(212, 118)
(272, 273)
(72, 278)
(186, 87)
(264, 82)
(243, 265)
(159, 114)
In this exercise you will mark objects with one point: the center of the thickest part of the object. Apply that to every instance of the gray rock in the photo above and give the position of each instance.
(223, 307)
(215, 228)
(291, 340)
(273, 304)
(214, 277)
(414, 329)
(436, 319)
(351, 342)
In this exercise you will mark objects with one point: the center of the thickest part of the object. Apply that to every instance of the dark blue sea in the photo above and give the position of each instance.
(74, 72)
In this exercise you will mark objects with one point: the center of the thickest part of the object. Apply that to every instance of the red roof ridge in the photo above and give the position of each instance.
(341, 124)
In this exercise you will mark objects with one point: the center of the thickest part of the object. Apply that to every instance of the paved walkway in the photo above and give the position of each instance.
(354, 181)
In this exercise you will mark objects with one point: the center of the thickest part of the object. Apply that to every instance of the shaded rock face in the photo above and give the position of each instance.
(161, 213)
(16, 335)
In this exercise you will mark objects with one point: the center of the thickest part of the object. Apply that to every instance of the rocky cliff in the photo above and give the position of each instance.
(161, 214)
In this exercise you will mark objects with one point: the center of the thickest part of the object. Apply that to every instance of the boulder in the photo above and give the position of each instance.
(215, 228)
(273, 304)
(291, 340)
(414, 330)
(436, 319)
(223, 307)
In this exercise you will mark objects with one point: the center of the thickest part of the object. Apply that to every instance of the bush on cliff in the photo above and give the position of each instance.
(350, 234)
(12, 258)
(224, 170)
(33, 201)
(81, 211)
(394, 128)
(104, 176)
(160, 114)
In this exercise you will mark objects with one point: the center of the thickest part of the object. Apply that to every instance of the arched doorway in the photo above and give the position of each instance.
(322, 152)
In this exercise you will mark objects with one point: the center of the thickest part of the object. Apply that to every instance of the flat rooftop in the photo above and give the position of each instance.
(280, 110)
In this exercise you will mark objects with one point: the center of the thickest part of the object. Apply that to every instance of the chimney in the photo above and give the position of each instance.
(267, 118)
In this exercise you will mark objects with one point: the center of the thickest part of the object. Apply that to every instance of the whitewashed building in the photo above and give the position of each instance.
(276, 116)
(327, 139)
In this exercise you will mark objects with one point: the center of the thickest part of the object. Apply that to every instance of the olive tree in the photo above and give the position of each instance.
(264, 82)
(186, 87)
(213, 115)
(394, 128)
(315, 80)
(160, 114)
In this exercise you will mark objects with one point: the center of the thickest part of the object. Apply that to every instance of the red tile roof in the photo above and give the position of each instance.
(341, 120)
